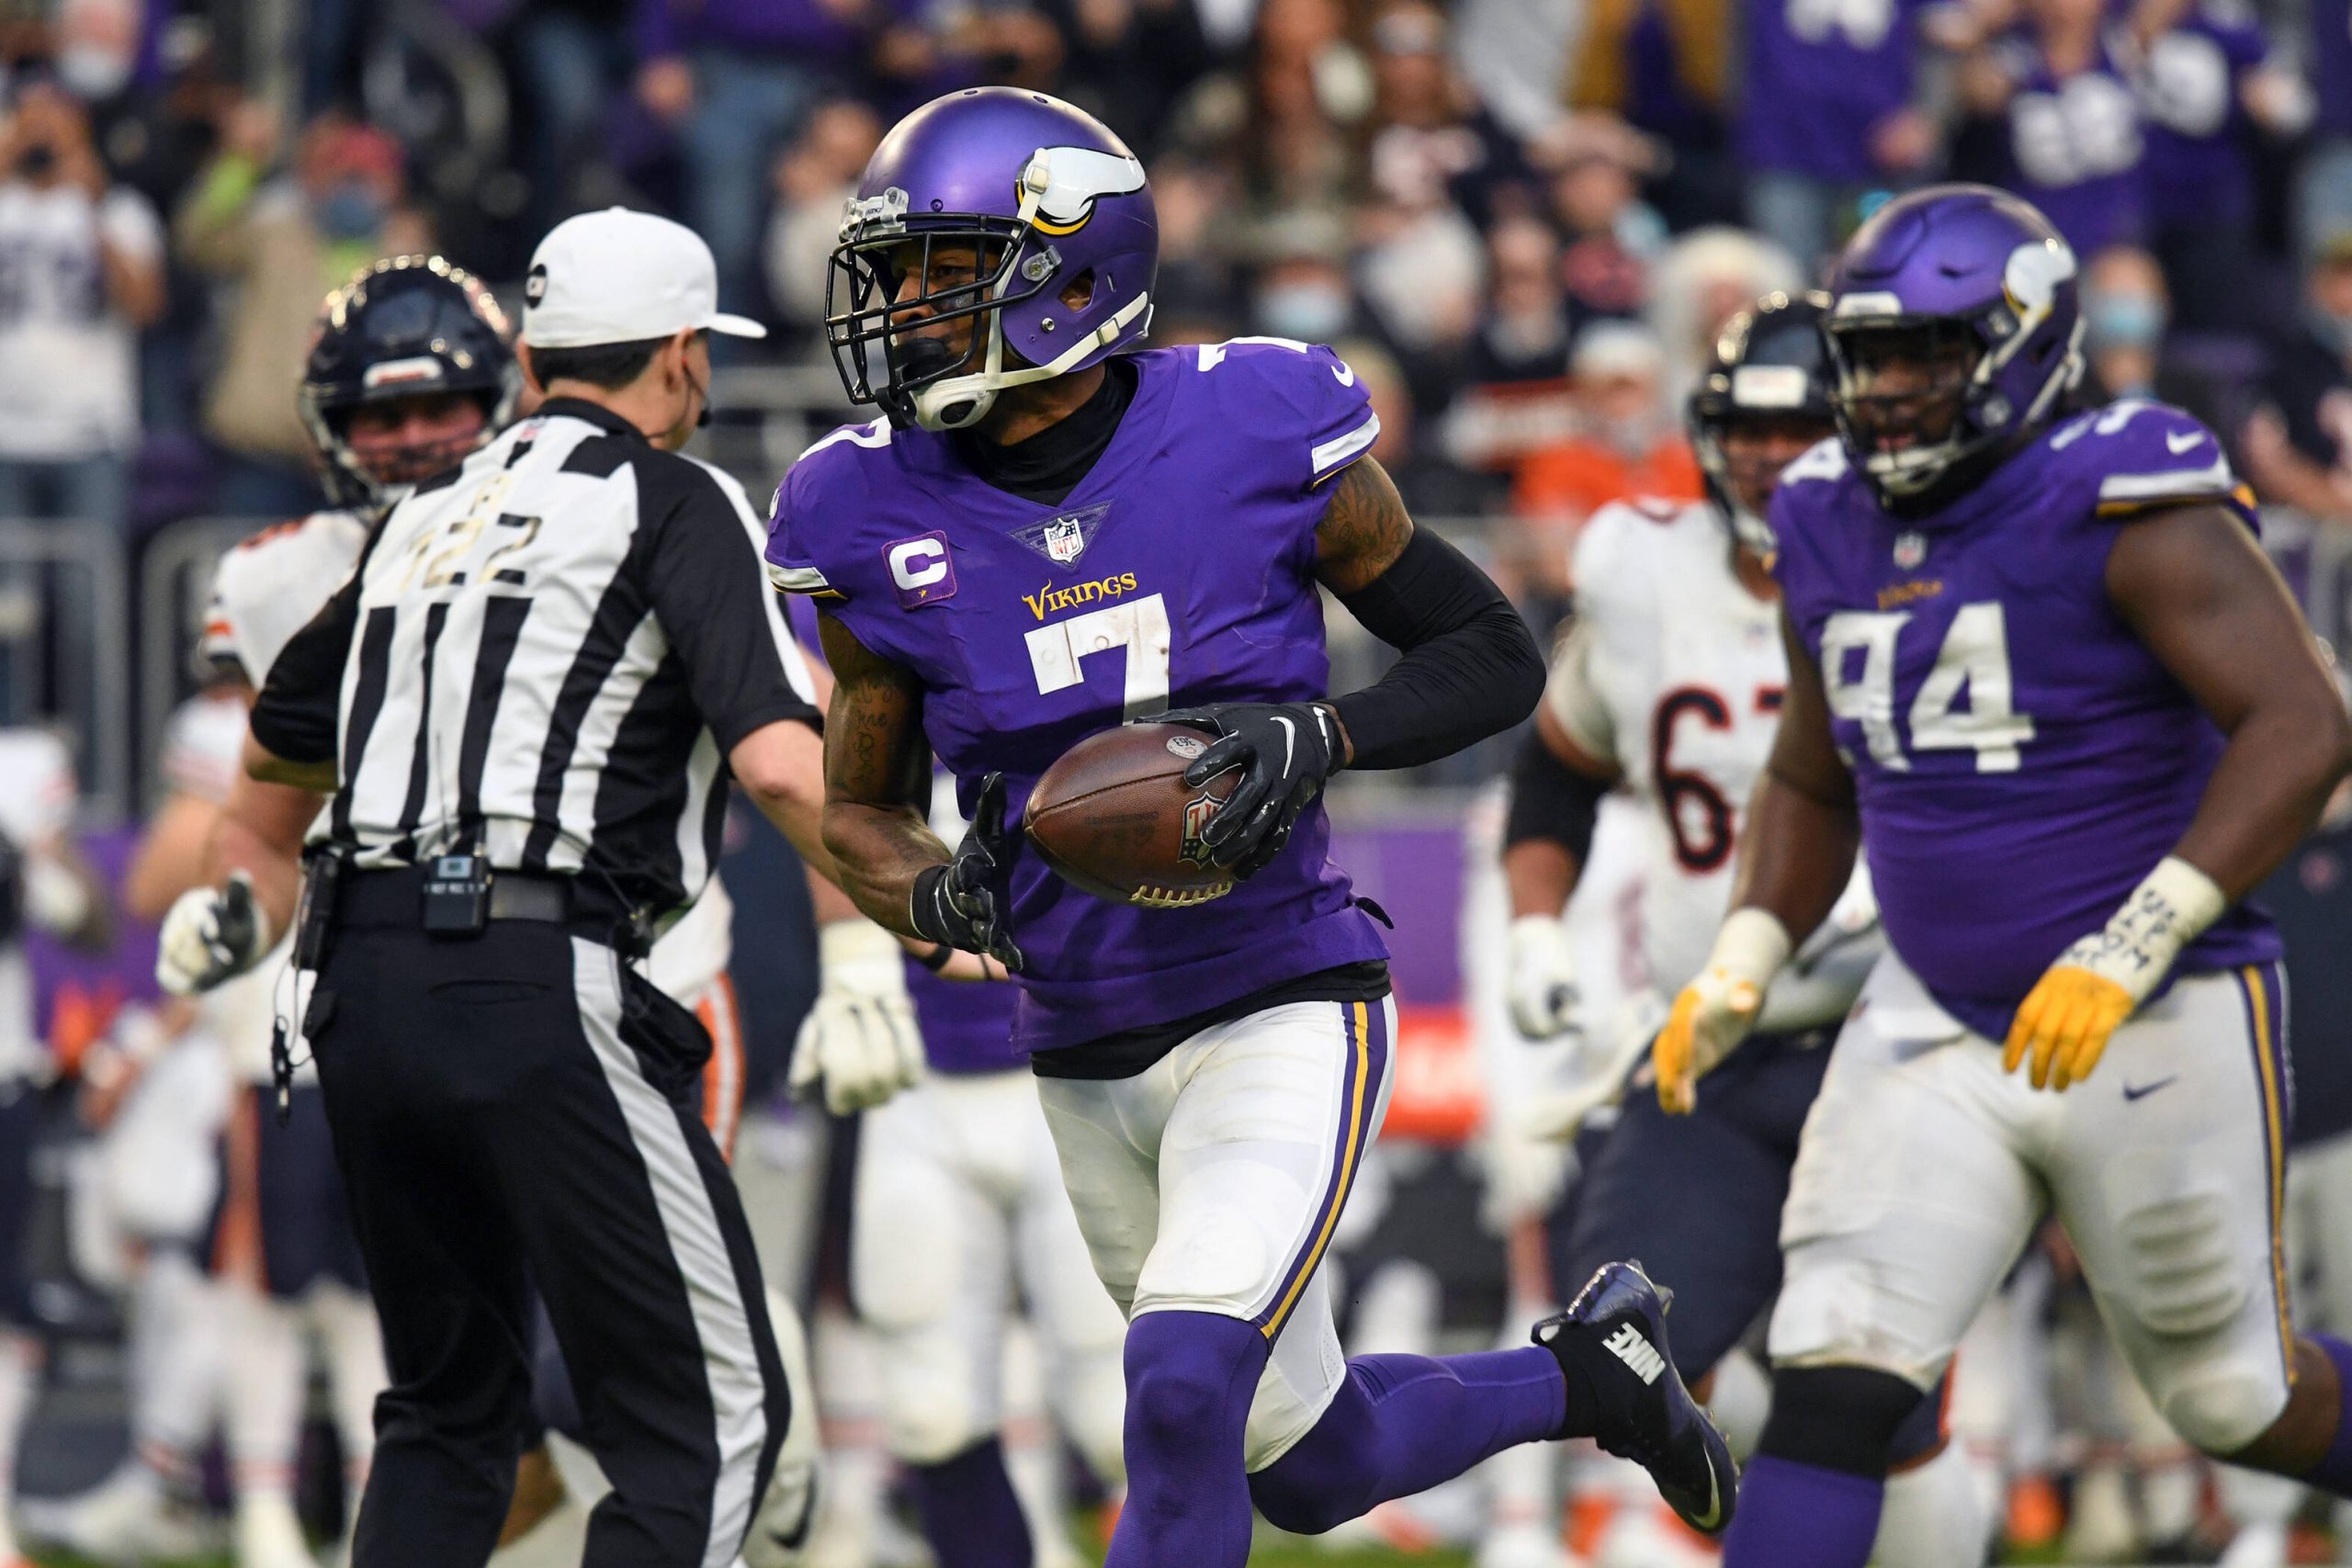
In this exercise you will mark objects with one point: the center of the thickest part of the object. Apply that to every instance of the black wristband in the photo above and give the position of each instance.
(923, 910)
(1470, 668)
(937, 959)
(1552, 801)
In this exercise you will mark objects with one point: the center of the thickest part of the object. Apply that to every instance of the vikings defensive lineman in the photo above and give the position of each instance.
(2040, 670)
(1042, 536)
(1671, 681)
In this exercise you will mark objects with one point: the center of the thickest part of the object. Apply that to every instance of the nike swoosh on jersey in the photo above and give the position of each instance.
(1290, 736)
(2180, 441)
(2142, 1091)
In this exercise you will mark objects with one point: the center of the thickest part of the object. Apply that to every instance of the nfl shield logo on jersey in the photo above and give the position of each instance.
(1910, 548)
(1063, 538)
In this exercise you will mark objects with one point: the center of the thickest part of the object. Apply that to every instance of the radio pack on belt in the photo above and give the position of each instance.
(456, 894)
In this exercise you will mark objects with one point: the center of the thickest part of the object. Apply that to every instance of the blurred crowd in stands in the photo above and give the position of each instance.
(1521, 220)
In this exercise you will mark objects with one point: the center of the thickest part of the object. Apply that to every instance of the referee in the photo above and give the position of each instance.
(527, 701)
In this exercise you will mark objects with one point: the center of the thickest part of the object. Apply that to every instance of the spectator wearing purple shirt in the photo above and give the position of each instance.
(2074, 133)
(1825, 110)
(2204, 84)
(735, 77)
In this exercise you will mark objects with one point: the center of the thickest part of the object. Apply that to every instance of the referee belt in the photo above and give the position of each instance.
(395, 897)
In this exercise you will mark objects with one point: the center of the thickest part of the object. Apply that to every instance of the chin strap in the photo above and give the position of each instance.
(961, 400)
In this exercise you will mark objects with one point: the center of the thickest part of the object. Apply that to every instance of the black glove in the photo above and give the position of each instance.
(1285, 751)
(958, 904)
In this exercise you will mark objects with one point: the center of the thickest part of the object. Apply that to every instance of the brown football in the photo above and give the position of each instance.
(1113, 817)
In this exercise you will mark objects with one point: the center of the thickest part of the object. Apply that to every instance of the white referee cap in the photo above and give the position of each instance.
(622, 277)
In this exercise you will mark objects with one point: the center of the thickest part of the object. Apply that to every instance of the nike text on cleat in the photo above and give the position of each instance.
(1624, 1391)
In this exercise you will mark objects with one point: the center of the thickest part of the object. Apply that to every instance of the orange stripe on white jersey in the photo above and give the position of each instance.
(723, 1076)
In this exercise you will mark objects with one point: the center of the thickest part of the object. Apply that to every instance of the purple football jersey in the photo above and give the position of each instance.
(1180, 571)
(2076, 147)
(2199, 165)
(2021, 759)
(1820, 75)
(967, 1024)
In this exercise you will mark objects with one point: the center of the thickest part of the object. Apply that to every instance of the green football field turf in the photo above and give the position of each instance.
(1269, 1555)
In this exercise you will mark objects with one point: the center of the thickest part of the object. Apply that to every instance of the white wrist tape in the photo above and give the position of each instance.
(2165, 914)
(1751, 946)
(857, 952)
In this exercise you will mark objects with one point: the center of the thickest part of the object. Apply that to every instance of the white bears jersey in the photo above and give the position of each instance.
(269, 587)
(36, 792)
(1674, 672)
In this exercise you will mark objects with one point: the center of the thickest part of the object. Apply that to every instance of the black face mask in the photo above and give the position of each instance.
(702, 390)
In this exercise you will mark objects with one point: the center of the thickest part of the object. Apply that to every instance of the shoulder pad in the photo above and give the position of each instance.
(830, 479)
(1824, 462)
(2145, 456)
(1271, 383)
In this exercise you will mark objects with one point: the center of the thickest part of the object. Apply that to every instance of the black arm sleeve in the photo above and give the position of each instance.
(709, 590)
(1470, 668)
(301, 706)
(1549, 800)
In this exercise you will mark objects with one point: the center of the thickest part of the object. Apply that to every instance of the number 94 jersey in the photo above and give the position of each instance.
(1180, 571)
(1674, 672)
(2021, 759)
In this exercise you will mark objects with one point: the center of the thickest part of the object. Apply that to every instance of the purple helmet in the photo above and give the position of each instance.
(1955, 329)
(1064, 243)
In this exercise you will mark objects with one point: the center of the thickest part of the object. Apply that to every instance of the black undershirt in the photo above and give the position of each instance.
(1045, 468)
(1056, 460)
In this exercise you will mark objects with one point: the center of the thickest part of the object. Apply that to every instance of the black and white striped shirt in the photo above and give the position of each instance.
(546, 654)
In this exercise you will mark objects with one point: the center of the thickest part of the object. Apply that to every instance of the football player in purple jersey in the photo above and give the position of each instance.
(1049, 531)
(2040, 671)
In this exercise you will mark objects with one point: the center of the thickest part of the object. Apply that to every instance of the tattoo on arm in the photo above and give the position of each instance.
(1363, 529)
(876, 775)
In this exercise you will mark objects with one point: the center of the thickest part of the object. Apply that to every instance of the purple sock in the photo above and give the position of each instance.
(971, 1514)
(1402, 1423)
(1190, 1376)
(1800, 1516)
(2333, 1472)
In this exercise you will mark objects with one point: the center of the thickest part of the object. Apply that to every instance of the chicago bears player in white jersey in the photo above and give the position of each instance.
(1670, 682)
(2040, 669)
(1042, 536)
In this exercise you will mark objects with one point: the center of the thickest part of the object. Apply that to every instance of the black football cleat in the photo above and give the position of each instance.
(1626, 1393)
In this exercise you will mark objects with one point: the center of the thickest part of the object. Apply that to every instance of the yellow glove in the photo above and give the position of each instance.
(2066, 1021)
(1715, 1011)
(2082, 998)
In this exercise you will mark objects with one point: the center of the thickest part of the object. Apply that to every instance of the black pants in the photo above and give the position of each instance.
(1696, 1201)
(517, 1105)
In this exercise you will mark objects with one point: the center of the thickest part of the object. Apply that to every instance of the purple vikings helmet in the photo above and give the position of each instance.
(1955, 330)
(1051, 204)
